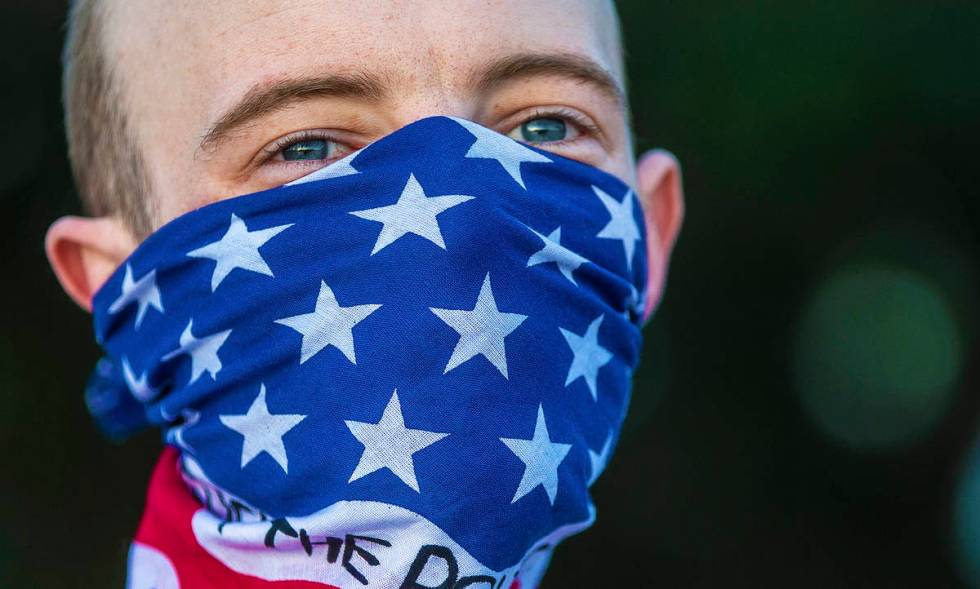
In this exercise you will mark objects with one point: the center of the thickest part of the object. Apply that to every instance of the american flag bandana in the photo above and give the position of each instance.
(403, 370)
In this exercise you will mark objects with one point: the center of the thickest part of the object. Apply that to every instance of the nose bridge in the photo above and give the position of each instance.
(434, 97)
(436, 86)
(422, 111)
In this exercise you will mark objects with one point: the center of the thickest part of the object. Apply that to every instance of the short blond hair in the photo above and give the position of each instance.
(107, 163)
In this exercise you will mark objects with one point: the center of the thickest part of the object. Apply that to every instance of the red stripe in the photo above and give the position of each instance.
(166, 526)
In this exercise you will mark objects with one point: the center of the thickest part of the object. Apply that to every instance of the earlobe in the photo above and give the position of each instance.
(662, 196)
(83, 252)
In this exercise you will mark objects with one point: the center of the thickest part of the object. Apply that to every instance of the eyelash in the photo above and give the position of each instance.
(583, 125)
(277, 146)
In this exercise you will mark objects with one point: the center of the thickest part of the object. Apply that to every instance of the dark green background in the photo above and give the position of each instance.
(816, 137)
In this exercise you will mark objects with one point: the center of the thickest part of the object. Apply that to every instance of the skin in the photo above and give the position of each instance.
(185, 65)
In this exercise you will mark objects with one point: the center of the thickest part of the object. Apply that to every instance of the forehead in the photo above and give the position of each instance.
(204, 54)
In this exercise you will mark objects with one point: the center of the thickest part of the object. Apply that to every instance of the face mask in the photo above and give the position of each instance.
(405, 369)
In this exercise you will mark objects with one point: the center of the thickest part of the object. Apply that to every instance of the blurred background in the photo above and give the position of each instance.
(808, 409)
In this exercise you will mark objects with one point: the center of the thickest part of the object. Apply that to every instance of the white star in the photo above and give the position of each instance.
(599, 459)
(238, 248)
(553, 251)
(262, 431)
(203, 351)
(389, 444)
(413, 213)
(138, 386)
(622, 224)
(338, 169)
(541, 458)
(493, 146)
(144, 291)
(589, 355)
(481, 330)
(328, 325)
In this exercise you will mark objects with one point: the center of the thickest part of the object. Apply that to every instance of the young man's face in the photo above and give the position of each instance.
(228, 97)
(232, 96)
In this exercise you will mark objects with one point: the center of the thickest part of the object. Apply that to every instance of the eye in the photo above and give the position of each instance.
(562, 130)
(542, 130)
(297, 154)
(314, 147)
(309, 150)
(551, 128)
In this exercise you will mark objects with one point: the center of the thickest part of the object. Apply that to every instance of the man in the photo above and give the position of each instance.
(172, 106)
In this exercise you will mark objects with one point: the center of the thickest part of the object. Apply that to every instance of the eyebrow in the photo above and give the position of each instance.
(263, 99)
(566, 65)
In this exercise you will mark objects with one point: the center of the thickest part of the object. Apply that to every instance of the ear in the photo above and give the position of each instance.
(83, 252)
(661, 194)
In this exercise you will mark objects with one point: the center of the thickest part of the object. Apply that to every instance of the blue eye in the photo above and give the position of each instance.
(543, 130)
(309, 149)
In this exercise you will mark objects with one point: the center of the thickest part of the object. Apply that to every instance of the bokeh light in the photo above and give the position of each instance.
(877, 354)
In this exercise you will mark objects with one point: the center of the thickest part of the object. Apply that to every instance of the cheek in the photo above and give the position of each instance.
(180, 190)
(622, 166)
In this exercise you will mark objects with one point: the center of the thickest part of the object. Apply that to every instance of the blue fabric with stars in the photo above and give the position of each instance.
(473, 301)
